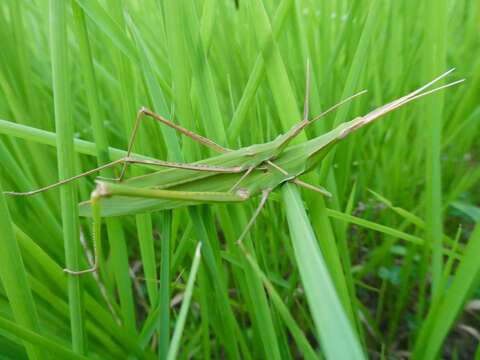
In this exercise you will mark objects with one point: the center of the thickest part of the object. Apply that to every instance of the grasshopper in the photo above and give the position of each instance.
(231, 176)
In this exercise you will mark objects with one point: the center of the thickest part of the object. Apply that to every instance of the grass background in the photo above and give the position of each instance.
(388, 268)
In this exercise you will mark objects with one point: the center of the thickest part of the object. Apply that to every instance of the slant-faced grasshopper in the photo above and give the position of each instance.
(232, 176)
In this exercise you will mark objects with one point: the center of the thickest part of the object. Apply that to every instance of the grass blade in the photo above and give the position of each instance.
(182, 317)
(164, 301)
(39, 341)
(257, 73)
(334, 330)
(108, 25)
(127, 96)
(441, 317)
(216, 281)
(14, 279)
(50, 138)
(295, 330)
(65, 154)
(114, 227)
(434, 60)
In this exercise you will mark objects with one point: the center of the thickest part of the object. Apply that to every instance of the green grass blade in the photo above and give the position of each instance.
(434, 61)
(157, 96)
(282, 91)
(39, 341)
(334, 330)
(65, 154)
(295, 330)
(109, 26)
(51, 139)
(102, 317)
(114, 227)
(203, 83)
(441, 318)
(14, 279)
(257, 73)
(216, 281)
(354, 73)
(383, 229)
(12, 167)
(344, 253)
(126, 78)
(164, 302)
(182, 316)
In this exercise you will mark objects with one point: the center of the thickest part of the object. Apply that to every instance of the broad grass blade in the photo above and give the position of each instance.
(336, 333)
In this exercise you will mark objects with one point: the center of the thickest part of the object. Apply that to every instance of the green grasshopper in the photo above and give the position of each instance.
(232, 176)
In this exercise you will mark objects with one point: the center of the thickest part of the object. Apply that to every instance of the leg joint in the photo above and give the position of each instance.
(100, 191)
(143, 110)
